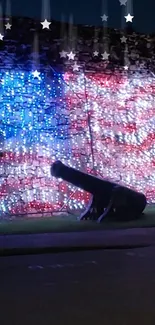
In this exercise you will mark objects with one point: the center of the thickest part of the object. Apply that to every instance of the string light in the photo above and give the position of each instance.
(44, 119)
(121, 110)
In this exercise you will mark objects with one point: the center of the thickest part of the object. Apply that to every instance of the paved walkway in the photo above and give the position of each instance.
(76, 240)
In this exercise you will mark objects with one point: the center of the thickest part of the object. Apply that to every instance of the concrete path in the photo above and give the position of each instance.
(10, 244)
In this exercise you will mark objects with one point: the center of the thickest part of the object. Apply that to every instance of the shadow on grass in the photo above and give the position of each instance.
(71, 224)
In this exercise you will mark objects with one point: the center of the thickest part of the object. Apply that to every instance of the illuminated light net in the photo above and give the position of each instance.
(98, 123)
(122, 124)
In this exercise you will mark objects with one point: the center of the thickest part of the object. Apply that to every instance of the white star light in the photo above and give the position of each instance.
(8, 26)
(45, 24)
(76, 67)
(105, 56)
(96, 128)
(129, 18)
(1, 37)
(95, 53)
(126, 67)
(123, 2)
(36, 74)
(63, 54)
(104, 17)
(71, 56)
(123, 39)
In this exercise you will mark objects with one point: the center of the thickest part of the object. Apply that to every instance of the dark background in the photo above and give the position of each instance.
(89, 11)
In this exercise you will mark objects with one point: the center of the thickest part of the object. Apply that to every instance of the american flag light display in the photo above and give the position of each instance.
(99, 123)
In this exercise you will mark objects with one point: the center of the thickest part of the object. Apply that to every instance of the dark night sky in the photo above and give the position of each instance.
(89, 11)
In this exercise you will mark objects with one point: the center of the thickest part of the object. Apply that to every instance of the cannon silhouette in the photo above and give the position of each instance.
(108, 199)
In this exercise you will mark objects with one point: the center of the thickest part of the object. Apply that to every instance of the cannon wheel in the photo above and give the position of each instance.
(95, 210)
(118, 208)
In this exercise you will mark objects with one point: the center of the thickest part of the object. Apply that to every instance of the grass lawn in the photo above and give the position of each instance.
(70, 224)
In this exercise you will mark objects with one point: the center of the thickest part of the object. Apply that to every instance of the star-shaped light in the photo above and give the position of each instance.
(123, 2)
(104, 17)
(1, 37)
(8, 26)
(46, 24)
(71, 55)
(76, 67)
(128, 18)
(126, 67)
(95, 53)
(105, 56)
(63, 54)
(36, 74)
(123, 39)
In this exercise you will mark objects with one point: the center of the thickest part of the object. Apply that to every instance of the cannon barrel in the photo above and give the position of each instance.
(86, 182)
(103, 189)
